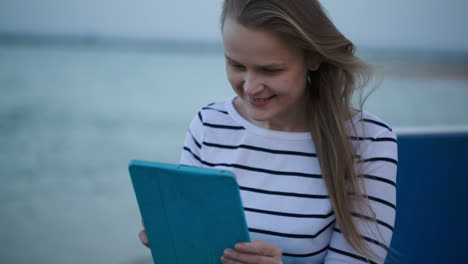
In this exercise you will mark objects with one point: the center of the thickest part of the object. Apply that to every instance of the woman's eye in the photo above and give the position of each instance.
(238, 66)
(272, 70)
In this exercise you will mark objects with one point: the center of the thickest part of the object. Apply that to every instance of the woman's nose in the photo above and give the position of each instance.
(252, 84)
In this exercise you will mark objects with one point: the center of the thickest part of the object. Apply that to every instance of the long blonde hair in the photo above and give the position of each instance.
(305, 24)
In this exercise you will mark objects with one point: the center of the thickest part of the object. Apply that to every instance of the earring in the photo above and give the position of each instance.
(309, 81)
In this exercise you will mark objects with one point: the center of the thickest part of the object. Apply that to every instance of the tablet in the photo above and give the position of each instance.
(190, 214)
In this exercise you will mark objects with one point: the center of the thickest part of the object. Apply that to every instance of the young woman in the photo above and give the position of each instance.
(317, 176)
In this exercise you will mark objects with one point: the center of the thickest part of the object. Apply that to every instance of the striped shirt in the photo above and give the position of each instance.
(283, 193)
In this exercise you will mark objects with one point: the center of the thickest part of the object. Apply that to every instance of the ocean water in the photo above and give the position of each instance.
(71, 118)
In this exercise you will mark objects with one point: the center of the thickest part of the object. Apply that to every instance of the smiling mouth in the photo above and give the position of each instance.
(259, 100)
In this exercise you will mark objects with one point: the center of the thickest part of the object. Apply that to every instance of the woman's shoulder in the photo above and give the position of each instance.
(218, 106)
(368, 124)
(216, 114)
(374, 139)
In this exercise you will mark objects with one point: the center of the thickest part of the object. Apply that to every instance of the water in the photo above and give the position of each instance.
(72, 117)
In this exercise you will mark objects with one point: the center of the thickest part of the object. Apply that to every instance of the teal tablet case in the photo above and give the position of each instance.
(190, 214)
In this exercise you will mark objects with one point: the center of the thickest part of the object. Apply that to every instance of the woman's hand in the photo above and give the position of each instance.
(143, 237)
(257, 252)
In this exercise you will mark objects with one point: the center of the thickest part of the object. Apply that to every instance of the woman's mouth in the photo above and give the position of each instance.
(260, 101)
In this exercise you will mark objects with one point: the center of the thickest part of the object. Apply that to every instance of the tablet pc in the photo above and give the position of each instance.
(191, 214)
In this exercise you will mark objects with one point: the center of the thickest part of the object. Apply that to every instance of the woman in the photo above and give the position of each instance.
(317, 176)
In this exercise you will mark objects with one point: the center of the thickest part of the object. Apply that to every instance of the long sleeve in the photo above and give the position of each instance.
(379, 160)
(191, 151)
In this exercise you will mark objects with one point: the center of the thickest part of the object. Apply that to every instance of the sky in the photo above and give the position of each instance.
(410, 24)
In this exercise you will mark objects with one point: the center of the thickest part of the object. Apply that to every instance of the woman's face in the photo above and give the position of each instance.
(268, 75)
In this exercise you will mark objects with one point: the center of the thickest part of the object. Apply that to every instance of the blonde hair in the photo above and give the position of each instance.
(305, 24)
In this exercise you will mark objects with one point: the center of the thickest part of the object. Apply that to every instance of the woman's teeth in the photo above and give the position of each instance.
(262, 99)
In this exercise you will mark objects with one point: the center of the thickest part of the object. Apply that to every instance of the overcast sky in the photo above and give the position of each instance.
(429, 24)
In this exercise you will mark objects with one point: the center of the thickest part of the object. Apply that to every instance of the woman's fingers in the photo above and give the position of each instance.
(234, 257)
(142, 235)
(252, 253)
(225, 260)
(259, 247)
(143, 238)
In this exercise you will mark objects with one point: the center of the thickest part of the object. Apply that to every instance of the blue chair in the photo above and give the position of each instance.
(432, 199)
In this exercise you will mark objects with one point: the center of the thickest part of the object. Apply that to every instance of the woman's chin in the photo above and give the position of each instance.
(258, 118)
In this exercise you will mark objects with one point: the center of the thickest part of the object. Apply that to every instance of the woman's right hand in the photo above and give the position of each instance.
(143, 237)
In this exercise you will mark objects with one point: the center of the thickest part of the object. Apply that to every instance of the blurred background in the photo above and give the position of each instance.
(88, 85)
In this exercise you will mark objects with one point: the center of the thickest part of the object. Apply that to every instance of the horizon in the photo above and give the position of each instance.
(418, 24)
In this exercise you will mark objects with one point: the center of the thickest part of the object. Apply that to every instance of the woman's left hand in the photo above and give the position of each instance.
(255, 252)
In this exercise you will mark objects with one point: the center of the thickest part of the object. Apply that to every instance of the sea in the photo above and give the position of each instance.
(72, 116)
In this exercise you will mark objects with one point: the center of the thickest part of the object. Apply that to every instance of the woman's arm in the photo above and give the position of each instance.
(379, 161)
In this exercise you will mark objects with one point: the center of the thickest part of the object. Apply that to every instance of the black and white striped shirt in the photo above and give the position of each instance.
(284, 196)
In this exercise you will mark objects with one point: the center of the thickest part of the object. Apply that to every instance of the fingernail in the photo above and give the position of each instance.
(224, 260)
(239, 246)
(228, 252)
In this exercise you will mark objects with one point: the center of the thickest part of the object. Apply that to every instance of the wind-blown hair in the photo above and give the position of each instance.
(341, 73)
